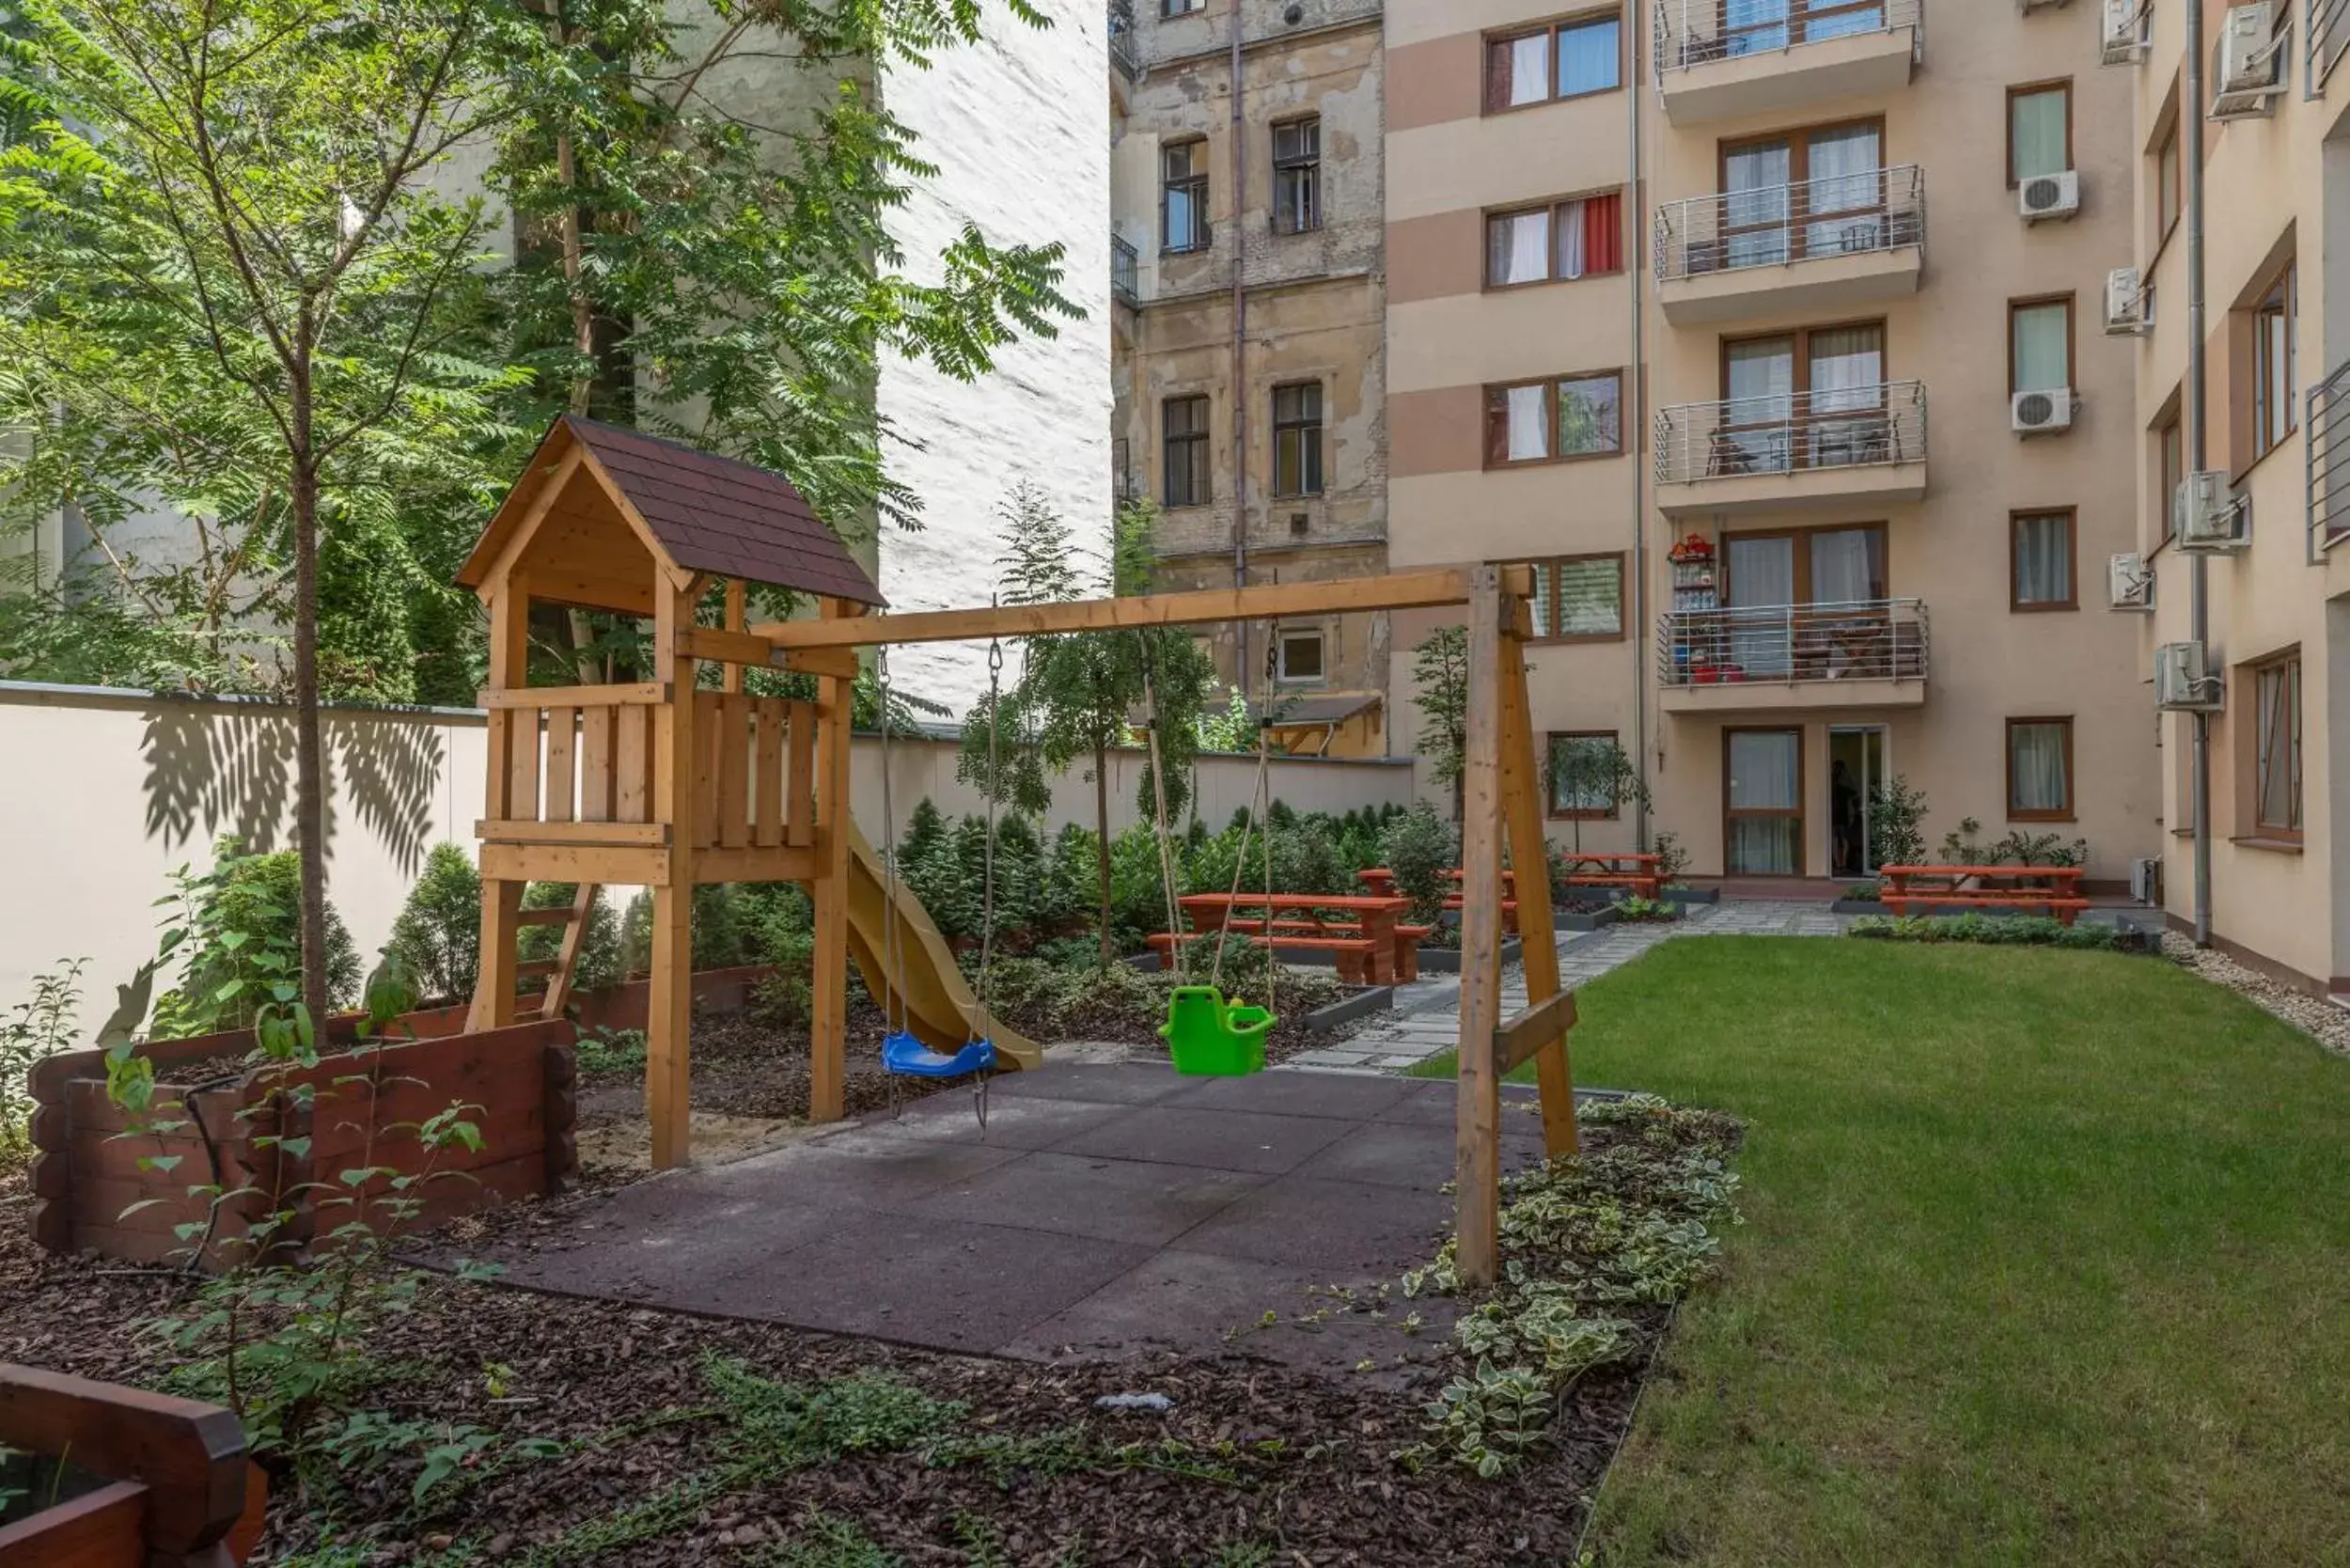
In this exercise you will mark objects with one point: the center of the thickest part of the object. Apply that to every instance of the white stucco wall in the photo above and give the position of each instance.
(1019, 128)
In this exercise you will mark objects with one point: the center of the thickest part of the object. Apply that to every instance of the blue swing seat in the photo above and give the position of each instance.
(909, 1058)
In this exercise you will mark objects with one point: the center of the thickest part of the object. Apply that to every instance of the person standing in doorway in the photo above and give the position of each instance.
(1844, 812)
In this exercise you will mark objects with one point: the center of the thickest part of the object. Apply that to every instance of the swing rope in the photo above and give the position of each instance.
(982, 1022)
(892, 960)
(1158, 791)
(1259, 800)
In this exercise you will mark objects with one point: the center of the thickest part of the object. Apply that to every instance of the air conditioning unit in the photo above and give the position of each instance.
(2045, 197)
(2125, 32)
(2126, 301)
(2146, 881)
(2247, 62)
(2182, 684)
(2207, 514)
(2130, 586)
(2043, 412)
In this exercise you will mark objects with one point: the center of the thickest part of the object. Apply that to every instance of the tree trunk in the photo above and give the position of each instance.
(310, 745)
(1101, 840)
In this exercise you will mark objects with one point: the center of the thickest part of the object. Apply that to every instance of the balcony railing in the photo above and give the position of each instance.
(1122, 41)
(1861, 640)
(1850, 426)
(1689, 33)
(2325, 427)
(2328, 29)
(1839, 215)
(1125, 271)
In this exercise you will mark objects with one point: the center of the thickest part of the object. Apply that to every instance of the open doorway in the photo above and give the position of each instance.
(1857, 765)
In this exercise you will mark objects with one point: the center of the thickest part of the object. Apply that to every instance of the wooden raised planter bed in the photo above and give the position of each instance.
(148, 1481)
(517, 1083)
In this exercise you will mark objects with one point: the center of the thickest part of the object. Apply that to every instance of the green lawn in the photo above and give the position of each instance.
(2046, 1261)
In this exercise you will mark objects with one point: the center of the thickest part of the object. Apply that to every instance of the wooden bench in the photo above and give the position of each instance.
(2004, 889)
(1635, 874)
(1352, 955)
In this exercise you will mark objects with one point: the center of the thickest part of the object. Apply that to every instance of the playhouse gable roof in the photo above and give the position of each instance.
(705, 512)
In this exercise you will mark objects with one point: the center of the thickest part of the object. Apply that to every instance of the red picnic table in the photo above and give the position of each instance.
(1599, 869)
(1370, 939)
(2054, 888)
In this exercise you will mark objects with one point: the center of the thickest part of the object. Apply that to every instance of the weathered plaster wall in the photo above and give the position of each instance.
(1019, 128)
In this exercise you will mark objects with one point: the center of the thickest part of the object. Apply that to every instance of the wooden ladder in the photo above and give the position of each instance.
(559, 970)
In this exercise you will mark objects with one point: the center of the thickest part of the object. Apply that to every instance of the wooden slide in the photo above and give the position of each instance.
(939, 1005)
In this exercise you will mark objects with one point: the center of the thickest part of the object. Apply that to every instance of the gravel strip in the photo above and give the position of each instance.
(2312, 1015)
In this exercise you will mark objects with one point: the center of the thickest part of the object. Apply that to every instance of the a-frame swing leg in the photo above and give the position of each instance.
(1477, 1112)
(1530, 852)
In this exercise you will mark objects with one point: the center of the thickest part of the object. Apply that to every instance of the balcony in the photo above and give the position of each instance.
(1799, 452)
(1866, 654)
(1718, 59)
(1125, 272)
(1822, 246)
(2325, 432)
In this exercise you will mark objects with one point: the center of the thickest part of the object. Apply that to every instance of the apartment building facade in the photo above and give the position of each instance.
(1248, 360)
(2275, 495)
(1673, 289)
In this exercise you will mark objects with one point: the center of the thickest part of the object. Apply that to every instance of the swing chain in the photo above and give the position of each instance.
(982, 1019)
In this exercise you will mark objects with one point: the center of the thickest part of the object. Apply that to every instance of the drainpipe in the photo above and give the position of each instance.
(2198, 442)
(1239, 345)
(1642, 236)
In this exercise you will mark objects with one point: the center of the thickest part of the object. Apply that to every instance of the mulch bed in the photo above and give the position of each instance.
(1255, 1464)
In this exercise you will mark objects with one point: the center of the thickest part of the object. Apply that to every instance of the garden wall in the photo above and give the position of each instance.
(108, 791)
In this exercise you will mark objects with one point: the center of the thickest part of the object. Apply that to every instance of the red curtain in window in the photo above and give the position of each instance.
(1496, 76)
(1603, 233)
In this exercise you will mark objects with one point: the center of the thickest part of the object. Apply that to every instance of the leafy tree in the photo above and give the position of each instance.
(1590, 769)
(1440, 689)
(1896, 813)
(1420, 847)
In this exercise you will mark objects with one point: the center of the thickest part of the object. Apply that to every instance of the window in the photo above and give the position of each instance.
(2041, 575)
(1577, 417)
(1762, 802)
(1814, 193)
(1297, 175)
(1806, 400)
(1585, 770)
(1297, 439)
(1567, 60)
(2039, 131)
(1300, 657)
(1567, 240)
(2272, 369)
(1180, 8)
(2172, 439)
(2039, 770)
(2277, 781)
(1186, 427)
(2168, 192)
(1579, 599)
(1183, 196)
(2040, 345)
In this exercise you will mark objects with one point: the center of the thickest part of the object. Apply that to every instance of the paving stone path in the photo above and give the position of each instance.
(1427, 1016)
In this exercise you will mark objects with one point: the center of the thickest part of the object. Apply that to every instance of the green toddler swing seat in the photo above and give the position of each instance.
(1211, 1038)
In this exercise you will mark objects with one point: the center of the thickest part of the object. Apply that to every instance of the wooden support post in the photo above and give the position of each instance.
(737, 609)
(1530, 852)
(1478, 1114)
(827, 1034)
(509, 729)
(670, 1015)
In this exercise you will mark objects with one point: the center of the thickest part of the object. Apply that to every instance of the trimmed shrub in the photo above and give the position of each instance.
(438, 933)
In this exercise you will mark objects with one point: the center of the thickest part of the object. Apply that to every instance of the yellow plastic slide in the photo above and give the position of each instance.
(939, 1006)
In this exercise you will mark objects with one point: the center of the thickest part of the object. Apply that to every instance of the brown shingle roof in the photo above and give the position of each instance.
(716, 514)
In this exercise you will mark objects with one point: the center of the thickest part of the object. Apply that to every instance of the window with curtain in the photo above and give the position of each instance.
(1755, 179)
(1583, 772)
(1297, 439)
(1570, 59)
(1754, 26)
(1579, 598)
(1569, 417)
(2040, 346)
(2171, 441)
(2277, 781)
(2043, 568)
(2039, 770)
(1845, 173)
(1836, 18)
(1185, 421)
(1567, 240)
(1183, 196)
(1762, 790)
(2039, 131)
(1847, 566)
(2272, 369)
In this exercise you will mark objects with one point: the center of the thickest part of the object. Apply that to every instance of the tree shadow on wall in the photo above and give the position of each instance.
(231, 769)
